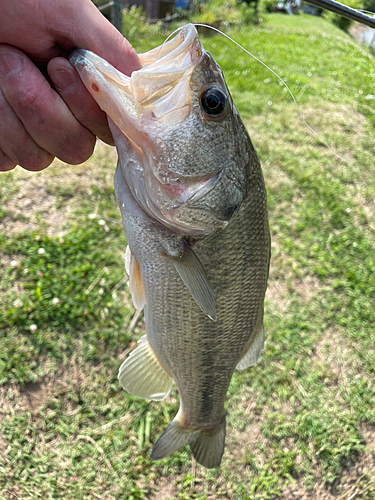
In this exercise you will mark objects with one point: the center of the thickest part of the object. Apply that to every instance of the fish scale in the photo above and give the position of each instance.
(233, 278)
(193, 203)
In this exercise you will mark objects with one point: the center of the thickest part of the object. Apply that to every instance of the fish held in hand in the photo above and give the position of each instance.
(193, 203)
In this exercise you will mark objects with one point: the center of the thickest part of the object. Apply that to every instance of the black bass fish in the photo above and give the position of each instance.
(193, 202)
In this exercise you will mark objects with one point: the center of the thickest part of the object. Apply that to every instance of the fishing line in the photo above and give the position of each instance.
(277, 76)
(367, 12)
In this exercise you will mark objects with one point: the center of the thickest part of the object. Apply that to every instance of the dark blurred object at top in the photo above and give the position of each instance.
(154, 9)
(112, 11)
(369, 5)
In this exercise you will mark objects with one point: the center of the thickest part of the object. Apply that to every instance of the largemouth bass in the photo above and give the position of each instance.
(193, 202)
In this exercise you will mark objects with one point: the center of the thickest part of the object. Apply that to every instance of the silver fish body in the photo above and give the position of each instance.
(193, 203)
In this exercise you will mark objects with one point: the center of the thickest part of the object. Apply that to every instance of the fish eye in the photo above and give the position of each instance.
(213, 102)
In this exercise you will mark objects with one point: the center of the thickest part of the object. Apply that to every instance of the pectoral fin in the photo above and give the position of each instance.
(253, 352)
(135, 280)
(142, 375)
(192, 274)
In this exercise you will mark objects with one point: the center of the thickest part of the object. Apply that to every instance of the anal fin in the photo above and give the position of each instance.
(191, 271)
(142, 375)
(135, 280)
(254, 350)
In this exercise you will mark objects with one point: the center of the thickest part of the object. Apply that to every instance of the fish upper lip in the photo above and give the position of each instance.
(177, 59)
(78, 57)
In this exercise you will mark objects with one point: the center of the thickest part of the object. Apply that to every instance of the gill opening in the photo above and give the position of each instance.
(277, 76)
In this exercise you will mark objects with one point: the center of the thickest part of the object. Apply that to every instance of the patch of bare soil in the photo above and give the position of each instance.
(47, 198)
(337, 352)
(30, 397)
(199, 485)
(355, 481)
(247, 440)
(166, 492)
(337, 118)
(35, 395)
(336, 356)
(280, 291)
(308, 288)
(297, 491)
(276, 295)
(31, 198)
(359, 478)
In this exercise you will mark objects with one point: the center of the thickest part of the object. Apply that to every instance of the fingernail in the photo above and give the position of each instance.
(64, 80)
(10, 63)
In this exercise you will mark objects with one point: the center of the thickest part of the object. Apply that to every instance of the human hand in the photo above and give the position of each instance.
(38, 122)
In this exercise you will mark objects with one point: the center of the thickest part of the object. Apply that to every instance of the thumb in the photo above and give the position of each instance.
(79, 24)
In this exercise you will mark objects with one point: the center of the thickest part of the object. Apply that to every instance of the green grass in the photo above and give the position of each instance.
(303, 419)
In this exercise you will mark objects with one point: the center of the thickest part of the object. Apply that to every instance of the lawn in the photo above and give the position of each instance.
(301, 423)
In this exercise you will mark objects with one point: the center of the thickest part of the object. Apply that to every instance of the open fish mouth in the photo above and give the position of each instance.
(151, 92)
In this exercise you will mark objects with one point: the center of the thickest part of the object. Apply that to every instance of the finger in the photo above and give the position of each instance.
(16, 144)
(47, 29)
(81, 25)
(43, 113)
(6, 163)
(78, 99)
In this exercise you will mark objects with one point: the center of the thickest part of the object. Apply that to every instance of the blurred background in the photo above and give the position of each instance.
(300, 422)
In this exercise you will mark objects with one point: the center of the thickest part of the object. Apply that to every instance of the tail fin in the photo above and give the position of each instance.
(208, 448)
(207, 445)
(171, 440)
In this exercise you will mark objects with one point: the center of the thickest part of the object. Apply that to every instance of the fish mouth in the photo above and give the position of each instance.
(153, 92)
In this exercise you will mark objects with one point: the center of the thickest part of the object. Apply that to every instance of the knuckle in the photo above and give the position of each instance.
(26, 99)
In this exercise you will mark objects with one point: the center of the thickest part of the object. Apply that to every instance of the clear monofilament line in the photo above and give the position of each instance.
(367, 12)
(168, 38)
(286, 86)
(277, 76)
